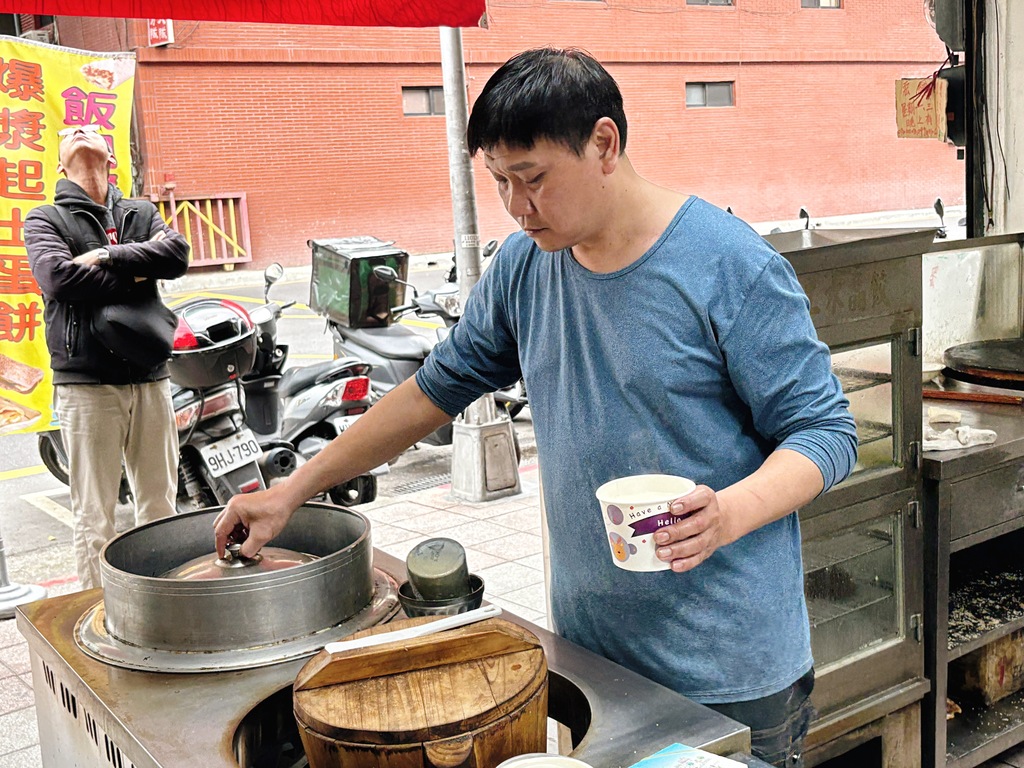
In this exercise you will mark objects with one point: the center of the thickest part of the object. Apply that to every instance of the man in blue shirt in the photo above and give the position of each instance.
(655, 334)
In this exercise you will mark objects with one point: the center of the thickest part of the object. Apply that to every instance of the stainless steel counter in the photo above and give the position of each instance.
(1006, 420)
(94, 714)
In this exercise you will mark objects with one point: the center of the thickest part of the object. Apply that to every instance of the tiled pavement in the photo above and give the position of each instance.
(503, 546)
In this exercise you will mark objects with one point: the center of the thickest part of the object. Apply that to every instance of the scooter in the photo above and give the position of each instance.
(232, 443)
(218, 456)
(396, 352)
(305, 407)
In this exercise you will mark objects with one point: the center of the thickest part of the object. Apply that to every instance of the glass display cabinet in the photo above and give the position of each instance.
(863, 540)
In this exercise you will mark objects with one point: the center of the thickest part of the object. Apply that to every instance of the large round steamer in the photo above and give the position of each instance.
(150, 620)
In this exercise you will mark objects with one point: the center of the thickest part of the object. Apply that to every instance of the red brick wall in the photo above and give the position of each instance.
(308, 120)
(87, 34)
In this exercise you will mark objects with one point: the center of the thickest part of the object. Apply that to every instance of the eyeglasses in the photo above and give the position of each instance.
(91, 128)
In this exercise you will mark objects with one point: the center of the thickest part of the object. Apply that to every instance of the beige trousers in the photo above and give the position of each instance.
(101, 425)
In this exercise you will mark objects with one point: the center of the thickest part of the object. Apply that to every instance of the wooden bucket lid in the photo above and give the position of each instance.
(420, 690)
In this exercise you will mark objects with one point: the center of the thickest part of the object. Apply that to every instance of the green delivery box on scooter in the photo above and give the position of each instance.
(343, 287)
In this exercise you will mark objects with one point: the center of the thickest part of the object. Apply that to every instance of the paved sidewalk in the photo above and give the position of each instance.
(503, 546)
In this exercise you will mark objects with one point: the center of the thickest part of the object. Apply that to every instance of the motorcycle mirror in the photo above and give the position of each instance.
(940, 209)
(388, 275)
(490, 248)
(806, 217)
(385, 273)
(271, 275)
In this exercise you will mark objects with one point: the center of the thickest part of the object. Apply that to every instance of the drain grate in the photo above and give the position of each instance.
(423, 484)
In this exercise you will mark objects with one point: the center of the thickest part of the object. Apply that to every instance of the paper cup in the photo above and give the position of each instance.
(633, 508)
(543, 760)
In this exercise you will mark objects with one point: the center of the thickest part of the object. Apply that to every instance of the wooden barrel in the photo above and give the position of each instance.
(469, 697)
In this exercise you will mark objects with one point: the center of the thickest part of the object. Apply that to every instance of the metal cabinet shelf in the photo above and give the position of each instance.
(822, 554)
(985, 609)
(980, 733)
(854, 380)
(973, 501)
(871, 431)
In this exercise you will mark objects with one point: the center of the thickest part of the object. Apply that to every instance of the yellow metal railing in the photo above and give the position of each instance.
(216, 226)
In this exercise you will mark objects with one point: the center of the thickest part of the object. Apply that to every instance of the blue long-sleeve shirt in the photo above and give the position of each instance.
(699, 359)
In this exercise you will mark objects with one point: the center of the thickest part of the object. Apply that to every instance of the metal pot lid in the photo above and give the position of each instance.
(233, 564)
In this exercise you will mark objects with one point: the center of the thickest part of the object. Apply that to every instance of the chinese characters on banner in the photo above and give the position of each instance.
(43, 89)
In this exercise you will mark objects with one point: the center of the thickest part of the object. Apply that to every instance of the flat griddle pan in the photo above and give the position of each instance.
(993, 363)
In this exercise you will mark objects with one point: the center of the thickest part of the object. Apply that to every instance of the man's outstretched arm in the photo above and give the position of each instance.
(401, 418)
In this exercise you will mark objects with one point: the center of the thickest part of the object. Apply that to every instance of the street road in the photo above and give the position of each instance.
(35, 516)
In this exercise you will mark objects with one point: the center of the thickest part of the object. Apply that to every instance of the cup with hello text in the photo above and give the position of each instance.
(633, 508)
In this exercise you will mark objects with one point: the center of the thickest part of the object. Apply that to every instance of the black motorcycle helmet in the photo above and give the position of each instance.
(215, 343)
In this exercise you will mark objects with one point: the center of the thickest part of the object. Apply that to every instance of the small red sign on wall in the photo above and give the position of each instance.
(160, 32)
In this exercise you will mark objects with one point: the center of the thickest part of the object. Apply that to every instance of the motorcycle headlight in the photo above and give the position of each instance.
(450, 303)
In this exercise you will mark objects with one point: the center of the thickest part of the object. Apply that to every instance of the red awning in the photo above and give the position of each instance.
(348, 13)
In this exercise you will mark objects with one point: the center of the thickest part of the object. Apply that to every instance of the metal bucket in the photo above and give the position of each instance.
(273, 615)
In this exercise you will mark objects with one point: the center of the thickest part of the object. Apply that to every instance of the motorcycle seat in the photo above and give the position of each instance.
(396, 342)
(297, 379)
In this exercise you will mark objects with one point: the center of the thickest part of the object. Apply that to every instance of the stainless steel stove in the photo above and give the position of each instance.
(93, 713)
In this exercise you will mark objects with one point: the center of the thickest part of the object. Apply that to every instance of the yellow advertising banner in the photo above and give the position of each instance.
(44, 89)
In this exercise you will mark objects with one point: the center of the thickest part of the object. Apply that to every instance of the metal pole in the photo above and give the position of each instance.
(484, 462)
(975, 97)
(13, 595)
(460, 176)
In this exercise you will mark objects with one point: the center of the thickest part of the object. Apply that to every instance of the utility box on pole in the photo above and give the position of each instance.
(485, 463)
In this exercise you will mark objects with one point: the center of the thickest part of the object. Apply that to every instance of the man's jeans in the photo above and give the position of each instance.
(778, 723)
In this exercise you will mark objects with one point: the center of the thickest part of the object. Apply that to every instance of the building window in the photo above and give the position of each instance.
(423, 101)
(15, 24)
(709, 2)
(709, 94)
(821, 3)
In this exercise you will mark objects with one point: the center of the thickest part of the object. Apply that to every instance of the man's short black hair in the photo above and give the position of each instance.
(545, 93)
